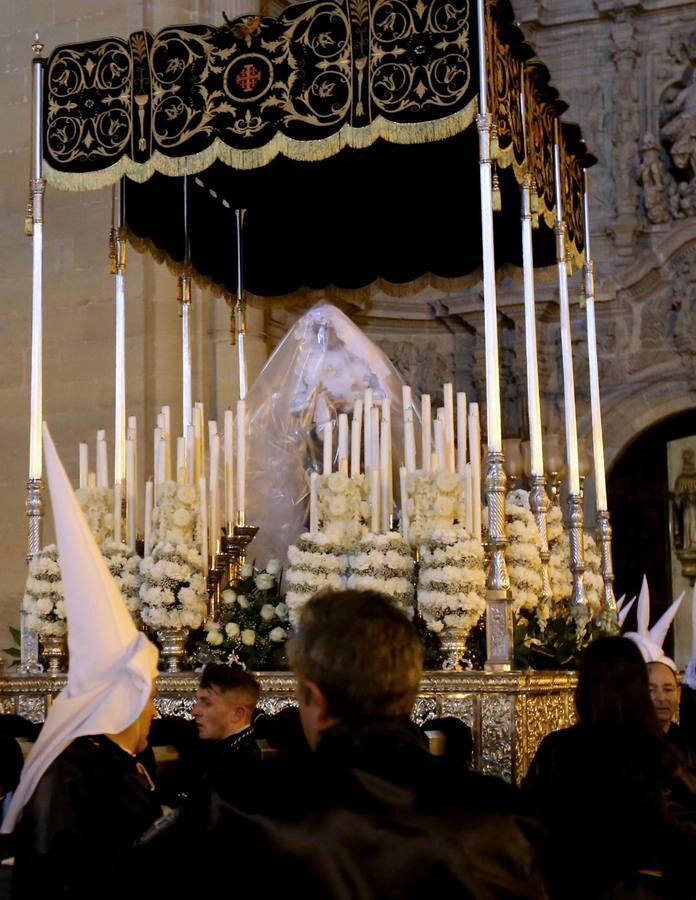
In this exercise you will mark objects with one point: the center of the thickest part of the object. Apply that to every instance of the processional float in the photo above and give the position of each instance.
(355, 128)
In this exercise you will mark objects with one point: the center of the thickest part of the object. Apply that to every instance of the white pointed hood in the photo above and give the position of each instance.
(112, 664)
(689, 678)
(623, 611)
(650, 640)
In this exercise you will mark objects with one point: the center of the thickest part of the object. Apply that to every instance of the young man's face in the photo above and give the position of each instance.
(218, 714)
(664, 693)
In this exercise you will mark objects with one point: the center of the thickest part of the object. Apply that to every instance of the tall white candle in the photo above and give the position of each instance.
(130, 494)
(374, 431)
(147, 535)
(102, 460)
(157, 459)
(180, 454)
(190, 454)
(374, 499)
(327, 440)
(203, 491)
(343, 443)
(403, 483)
(355, 447)
(214, 512)
(475, 456)
(384, 475)
(314, 503)
(449, 426)
(409, 433)
(132, 435)
(197, 446)
(117, 512)
(229, 468)
(356, 437)
(439, 444)
(426, 431)
(571, 428)
(368, 429)
(241, 461)
(386, 416)
(461, 432)
(469, 506)
(84, 465)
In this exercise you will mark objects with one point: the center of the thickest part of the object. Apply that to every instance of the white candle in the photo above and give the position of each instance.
(102, 460)
(461, 432)
(384, 475)
(449, 426)
(439, 444)
(426, 431)
(229, 470)
(197, 446)
(327, 438)
(343, 443)
(84, 465)
(117, 512)
(202, 489)
(368, 429)
(180, 454)
(132, 435)
(374, 432)
(241, 461)
(214, 512)
(403, 483)
(130, 494)
(314, 503)
(409, 434)
(356, 438)
(469, 505)
(475, 457)
(386, 416)
(190, 454)
(157, 459)
(147, 551)
(374, 499)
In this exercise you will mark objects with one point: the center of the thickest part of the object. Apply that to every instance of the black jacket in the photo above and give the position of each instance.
(371, 814)
(90, 805)
(615, 803)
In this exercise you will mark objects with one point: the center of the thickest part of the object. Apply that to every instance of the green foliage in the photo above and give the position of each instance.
(14, 651)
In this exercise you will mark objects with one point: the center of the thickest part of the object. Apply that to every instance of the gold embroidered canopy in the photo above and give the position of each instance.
(333, 108)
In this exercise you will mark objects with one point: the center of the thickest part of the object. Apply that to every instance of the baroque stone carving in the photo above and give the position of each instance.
(425, 365)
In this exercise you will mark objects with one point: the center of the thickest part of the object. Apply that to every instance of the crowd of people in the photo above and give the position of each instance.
(340, 796)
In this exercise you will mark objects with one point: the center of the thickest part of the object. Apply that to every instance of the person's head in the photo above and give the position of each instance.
(225, 701)
(664, 693)
(613, 686)
(356, 656)
(459, 740)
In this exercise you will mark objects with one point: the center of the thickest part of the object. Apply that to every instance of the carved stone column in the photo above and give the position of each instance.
(625, 53)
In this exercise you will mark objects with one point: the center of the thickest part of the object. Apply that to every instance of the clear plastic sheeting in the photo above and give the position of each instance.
(318, 371)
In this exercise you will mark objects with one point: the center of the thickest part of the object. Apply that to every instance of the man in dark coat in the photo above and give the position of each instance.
(370, 813)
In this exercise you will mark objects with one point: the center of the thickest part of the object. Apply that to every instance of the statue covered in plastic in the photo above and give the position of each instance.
(320, 368)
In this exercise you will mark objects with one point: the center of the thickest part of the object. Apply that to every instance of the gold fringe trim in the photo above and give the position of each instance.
(302, 151)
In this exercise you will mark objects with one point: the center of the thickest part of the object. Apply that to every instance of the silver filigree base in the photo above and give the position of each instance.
(173, 641)
(499, 639)
(608, 617)
(578, 598)
(539, 504)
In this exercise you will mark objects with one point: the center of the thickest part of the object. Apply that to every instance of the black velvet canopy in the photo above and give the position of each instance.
(345, 128)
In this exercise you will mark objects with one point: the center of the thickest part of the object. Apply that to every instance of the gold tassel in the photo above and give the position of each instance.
(497, 199)
(583, 296)
(495, 146)
(535, 221)
(569, 266)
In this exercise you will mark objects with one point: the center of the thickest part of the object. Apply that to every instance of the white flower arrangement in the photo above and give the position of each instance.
(342, 507)
(522, 552)
(452, 581)
(98, 506)
(173, 592)
(315, 563)
(436, 502)
(384, 563)
(176, 515)
(554, 523)
(43, 595)
(592, 579)
(253, 623)
(124, 565)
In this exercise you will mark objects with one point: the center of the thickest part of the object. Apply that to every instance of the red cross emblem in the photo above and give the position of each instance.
(248, 77)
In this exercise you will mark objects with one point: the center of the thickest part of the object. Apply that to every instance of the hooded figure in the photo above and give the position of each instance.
(83, 797)
(650, 640)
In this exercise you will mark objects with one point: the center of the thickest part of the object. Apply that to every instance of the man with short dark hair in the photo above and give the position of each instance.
(223, 712)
